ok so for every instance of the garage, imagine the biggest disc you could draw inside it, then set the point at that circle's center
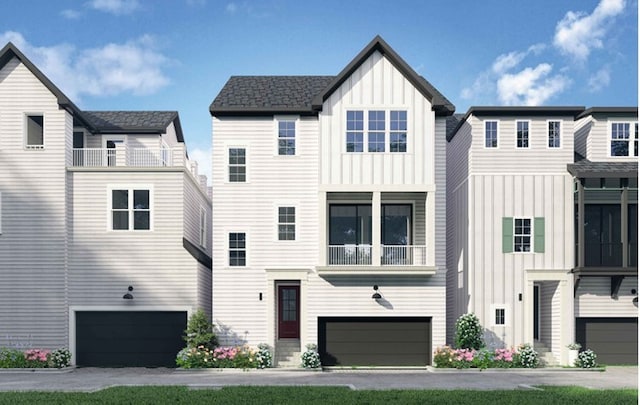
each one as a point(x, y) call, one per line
point(374, 341)
point(614, 340)
point(129, 338)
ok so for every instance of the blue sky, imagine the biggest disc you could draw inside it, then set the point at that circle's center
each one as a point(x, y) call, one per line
point(177, 54)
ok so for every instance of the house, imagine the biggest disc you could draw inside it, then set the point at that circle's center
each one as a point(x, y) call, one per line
point(520, 181)
point(329, 212)
point(105, 236)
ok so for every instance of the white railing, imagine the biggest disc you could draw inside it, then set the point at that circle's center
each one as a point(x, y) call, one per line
point(403, 255)
point(350, 255)
point(137, 157)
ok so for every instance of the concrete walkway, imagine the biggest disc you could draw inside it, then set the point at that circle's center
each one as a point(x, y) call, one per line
point(94, 379)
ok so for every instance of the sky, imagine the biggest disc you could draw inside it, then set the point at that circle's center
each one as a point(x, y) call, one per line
point(177, 54)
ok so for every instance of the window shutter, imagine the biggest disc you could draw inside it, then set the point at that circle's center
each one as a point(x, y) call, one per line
point(538, 235)
point(507, 234)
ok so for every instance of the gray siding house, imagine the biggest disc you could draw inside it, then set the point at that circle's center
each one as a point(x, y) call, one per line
point(105, 226)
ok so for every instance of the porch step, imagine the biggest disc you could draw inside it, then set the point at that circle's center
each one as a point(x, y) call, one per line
point(547, 358)
point(287, 353)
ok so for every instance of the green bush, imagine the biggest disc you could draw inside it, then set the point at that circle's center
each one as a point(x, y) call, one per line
point(60, 358)
point(264, 356)
point(311, 358)
point(587, 359)
point(527, 356)
point(200, 331)
point(469, 332)
point(12, 358)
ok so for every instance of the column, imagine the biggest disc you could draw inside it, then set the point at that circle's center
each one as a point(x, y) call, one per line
point(624, 217)
point(581, 246)
point(323, 224)
point(376, 228)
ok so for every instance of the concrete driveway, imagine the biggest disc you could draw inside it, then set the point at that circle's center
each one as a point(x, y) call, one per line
point(93, 379)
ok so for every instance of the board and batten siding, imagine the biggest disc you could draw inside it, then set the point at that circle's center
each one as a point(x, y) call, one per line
point(593, 298)
point(103, 262)
point(377, 85)
point(252, 208)
point(33, 239)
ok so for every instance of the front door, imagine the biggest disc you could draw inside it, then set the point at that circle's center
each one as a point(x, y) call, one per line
point(288, 312)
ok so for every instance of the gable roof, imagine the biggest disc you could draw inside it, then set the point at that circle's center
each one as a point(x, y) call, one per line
point(133, 122)
point(268, 95)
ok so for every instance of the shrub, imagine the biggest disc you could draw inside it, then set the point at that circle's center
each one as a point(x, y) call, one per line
point(200, 331)
point(504, 358)
point(194, 357)
point(483, 359)
point(527, 356)
point(37, 358)
point(444, 357)
point(587, 359)
point(12, 358)
point(469, 332)
point(60, 358)
point(311, 358)
point(264, 357)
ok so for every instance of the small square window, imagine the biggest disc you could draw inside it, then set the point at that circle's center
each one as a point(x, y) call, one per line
point(130, 210)
point(500, 316)
point(35, 132)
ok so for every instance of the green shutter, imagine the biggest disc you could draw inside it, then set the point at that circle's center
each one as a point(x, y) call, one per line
point(538, 235)
point(507, 235)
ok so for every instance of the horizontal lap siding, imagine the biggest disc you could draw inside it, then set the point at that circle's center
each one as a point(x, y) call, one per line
point(33, 239)
point(193, 199)
point(593, 298)
point(598, 141)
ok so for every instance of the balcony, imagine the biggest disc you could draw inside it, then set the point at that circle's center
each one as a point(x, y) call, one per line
point(122, 156)
point(394, 259)
point(606, 259)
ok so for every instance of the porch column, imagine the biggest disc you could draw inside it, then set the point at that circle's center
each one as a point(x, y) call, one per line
point(581, 246)
point(430, 227)
point(624, 217)
point(528, 310)
point(323, 223)
point(376, 228)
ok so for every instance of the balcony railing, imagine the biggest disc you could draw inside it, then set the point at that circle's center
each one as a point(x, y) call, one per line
point(603, 255)
point(124, 156)
point(391, 255)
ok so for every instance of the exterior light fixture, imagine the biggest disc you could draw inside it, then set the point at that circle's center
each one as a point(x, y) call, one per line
point(376, 295)
point(128, 295)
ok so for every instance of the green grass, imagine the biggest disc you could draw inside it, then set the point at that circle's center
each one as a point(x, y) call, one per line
point(322, 395)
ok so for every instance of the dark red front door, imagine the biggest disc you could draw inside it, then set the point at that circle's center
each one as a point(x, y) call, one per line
point(289, 311)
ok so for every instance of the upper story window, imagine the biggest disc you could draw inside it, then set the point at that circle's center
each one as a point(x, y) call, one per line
point(203, 227)
point(237, 249)
point(237, 165)
point(381, 131)
point(522, 235)
point(491, 134)
point(34, 131)
point(286, 137)
point(130, 209)
point(621, 134)
point(554, 134)
point(286, 223)
point(522, 134)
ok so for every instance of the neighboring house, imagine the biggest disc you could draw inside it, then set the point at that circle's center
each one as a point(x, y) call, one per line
point(324, 189)
point(515, 199)
point(91, 204)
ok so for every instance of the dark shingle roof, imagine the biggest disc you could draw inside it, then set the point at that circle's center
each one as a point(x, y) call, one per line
point(268, 94)
point(151, 122)
point(452, 123)
point(586, 168)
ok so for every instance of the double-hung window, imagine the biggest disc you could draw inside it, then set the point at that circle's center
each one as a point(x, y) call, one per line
point(286, 137)
point(522, 235)
point(130, 209)
point(379, 130)
point(522, 134)
point(286, 223)
point(623, 139)
point(34, 137)
point(237, 165)
point(553, 134)
point(237, 249)
point(491, 134)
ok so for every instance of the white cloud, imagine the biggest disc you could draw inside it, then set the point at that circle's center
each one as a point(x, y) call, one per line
point(530, 86)
point(133, 67)
point(578, 33)
point(70, 14)
point(116, 7)
point(600, 79)
point(203, 157)
point(231, 8)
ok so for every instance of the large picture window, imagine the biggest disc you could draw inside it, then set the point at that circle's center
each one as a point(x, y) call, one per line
point(381, 131)
point(130, 209)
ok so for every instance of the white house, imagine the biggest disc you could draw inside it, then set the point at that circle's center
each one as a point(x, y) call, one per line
point(105, 237)
point(329, 212)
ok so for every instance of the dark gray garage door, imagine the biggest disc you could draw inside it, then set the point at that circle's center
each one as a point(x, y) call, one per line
point(374, 341)
point(129, 339)
point(614, 340)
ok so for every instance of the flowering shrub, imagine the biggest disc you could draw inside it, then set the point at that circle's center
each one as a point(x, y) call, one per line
point(12, 358)
point(34, 358)
point(220, 357)
point(504, 358)
point(200, 331)
point(587, 359)
point(311, 358)
point(447, 357)
point(469, 332)
point(60, 358)
point(264, 357)
point(528, 357)
point(37, 358)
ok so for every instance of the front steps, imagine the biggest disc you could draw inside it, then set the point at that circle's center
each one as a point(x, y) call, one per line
point(287, 353)
point(547, 358)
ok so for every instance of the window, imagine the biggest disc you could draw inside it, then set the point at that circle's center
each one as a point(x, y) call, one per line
point(491, 134)
point(35, 132)
point(130, 210)
point(554, 134)
point(499, 316)
point(237, 249)
point(203, 227)
point(286, 137)
point(522, 134)
point(355, 134)
point(522, 235)
point(237, 165)
point(517, 235)
point(380, 137)
point(286, 223)
point(621, 135)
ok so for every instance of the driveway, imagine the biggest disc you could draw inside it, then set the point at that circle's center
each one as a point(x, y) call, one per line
point(93, 379)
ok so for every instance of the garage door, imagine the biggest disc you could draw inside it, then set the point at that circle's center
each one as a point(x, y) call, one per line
point(374, 341)
point(614, 340)
point(129, 339)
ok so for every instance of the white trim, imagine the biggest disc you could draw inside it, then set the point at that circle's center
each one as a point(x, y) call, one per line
point(114, 138)
point(296, 126)
point(365, 128)
point(274, 276)
point(130, 188)
point(547, 134)
point(507, 314)
point(227, 249)
point(632, 137)
point(531, 235)
point(112, 308)
point(484, 134)
point(528, 134)
point(25, 131)
point(276, 209)
point(246, 163)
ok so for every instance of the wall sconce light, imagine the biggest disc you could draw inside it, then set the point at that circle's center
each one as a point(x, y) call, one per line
point(128, 295)
point(376, 295)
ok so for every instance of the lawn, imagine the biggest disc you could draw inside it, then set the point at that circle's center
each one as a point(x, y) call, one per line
point(322, 395)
